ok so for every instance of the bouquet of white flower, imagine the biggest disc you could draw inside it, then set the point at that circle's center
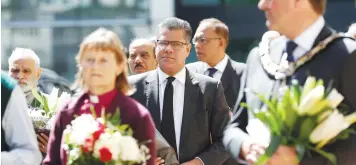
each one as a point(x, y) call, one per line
point(96, 141)
point(43, 117)
point(303, 117)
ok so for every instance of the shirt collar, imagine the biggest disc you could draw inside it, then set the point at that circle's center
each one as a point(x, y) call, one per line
point(307, 38)
point(220, 66)
point(180, 76)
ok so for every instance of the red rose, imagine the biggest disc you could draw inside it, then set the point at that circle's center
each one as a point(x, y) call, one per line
point(88, 145)
point(98, 132)
point(105, 154)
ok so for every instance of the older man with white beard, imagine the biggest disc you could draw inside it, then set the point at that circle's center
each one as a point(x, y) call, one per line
point(24, 66)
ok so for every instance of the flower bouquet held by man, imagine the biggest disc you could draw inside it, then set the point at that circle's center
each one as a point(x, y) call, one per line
point(43, 116)
point(306, 118)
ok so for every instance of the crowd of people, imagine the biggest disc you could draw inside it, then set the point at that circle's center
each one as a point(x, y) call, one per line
point(192, 113)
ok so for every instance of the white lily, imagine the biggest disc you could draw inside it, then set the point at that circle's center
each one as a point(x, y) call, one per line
point(63, 99)
point(259, 131)
point(52, 99)
point(334, 98)
point(328, 129)
point(308, 104)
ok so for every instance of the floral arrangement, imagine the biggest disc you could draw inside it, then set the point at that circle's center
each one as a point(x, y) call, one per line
point(306, 118)
point(104, 140)
point(43, 116)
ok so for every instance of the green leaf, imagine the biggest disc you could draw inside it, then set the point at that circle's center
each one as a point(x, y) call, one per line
point(295, 92)
point(331, 157)
point(37, 96)
point(345, 134)
point(93, 112)
point(115, 119)
point(271, 149)
point(269, 104)
point(306, 128)
point(300, 151)
point(45, 104)
point(308, 86)
point(269, 120)
point(245, 105)
point(287, 110)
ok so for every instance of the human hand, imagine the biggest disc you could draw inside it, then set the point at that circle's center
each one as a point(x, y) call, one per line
point(42, 142)
point(284, 155)
point(159, 161)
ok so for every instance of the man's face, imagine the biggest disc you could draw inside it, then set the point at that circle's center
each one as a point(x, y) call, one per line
point(172, 49)
point(278, 13)
point(207, 43)
point(25, 71)
point(142, 58)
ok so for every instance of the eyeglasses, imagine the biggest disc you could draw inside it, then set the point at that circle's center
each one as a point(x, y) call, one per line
point(203, 40)
point(174, 44)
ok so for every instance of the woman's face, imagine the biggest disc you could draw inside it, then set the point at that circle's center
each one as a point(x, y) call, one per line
point(100, 69)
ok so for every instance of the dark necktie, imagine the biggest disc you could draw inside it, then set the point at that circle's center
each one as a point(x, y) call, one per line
point(289, 49)
point(212, 71)
point(167, 123)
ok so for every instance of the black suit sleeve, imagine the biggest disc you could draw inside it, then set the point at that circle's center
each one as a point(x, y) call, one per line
point(219, 118)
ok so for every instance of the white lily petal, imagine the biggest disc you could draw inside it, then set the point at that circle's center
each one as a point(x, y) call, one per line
point(329, 128)
point(259, 131)
point(311, 99)
point(334, 98)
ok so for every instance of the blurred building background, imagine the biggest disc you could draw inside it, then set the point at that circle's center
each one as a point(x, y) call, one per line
point(55, 28)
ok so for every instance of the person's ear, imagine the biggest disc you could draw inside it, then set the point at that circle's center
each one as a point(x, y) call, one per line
point(38, 73)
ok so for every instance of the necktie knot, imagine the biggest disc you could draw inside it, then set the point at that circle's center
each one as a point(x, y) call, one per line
point(212, 71)
point(289, 49)
point(170, 80)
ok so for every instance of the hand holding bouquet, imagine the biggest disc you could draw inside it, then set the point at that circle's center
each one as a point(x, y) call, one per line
point(306, 118)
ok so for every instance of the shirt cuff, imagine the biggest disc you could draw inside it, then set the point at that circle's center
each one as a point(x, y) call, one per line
point(200, 160)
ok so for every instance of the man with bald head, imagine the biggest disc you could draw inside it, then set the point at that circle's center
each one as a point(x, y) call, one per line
point(141, 56)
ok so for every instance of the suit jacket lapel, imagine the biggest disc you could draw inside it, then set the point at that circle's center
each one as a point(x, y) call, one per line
point(324, 33)
point(189, 109)
point(152, 95)
point(226, 76)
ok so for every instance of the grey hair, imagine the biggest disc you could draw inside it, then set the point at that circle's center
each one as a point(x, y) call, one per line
point(175, 23)
point(19, 53)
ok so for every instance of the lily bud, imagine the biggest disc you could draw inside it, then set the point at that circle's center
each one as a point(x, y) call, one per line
point(308, 86)
point(334, 98)
point(328, 129)
point(308, 103)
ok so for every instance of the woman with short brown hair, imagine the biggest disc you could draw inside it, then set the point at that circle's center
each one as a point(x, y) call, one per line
point(102, 79)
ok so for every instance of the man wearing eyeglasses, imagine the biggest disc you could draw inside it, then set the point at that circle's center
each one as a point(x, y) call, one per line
point(210, 42)
point(186, 107)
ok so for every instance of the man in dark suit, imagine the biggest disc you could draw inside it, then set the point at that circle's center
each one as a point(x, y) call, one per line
point(303, 27)
point(186, 107)
point(210, 42)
